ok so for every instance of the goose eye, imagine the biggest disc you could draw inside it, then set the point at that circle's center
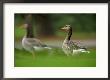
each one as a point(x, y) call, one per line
point(66, 25)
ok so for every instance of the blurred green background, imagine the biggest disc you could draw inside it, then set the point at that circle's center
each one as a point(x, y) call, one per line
point(49, 24)
point(46, 27)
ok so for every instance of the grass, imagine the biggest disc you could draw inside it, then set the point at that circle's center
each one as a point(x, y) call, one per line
point(54, 58)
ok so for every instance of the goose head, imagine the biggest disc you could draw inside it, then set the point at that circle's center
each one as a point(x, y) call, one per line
point(66, 28)
point(28, 21)
point(25, 26)
point(28, 26)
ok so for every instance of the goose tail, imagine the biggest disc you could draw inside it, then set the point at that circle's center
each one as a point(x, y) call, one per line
point(48, 47)
point(84, 49)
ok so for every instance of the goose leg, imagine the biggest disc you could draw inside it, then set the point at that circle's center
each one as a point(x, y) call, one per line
point(33, 54)
point(67, 54)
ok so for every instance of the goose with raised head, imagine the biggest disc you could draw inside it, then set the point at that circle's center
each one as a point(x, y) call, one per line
point(30, 43)
point(69, 47)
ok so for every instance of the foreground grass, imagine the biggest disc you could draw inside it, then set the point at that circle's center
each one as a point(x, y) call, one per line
point(54, 58)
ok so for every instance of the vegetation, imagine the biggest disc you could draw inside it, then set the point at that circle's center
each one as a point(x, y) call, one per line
point(56, 58)
point(49, 24)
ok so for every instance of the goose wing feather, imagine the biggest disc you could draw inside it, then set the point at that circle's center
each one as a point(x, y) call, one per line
point(34, 42)
point(73, 45)
point(76, 45)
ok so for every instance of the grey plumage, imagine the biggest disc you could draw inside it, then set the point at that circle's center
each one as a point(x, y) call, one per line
point(30, 43)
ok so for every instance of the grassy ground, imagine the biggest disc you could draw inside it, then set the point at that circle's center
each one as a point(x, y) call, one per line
point(54, 58)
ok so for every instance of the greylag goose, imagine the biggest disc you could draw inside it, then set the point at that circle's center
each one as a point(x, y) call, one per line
point(69, 47)
point(30, 43)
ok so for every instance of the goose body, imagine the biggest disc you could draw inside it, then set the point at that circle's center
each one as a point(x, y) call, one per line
point(33, 44)
point(70, 47)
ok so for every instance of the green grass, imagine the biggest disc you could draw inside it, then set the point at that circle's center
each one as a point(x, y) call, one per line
point(54, 58)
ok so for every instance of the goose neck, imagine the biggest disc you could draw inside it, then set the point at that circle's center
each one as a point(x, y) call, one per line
point(69, 34)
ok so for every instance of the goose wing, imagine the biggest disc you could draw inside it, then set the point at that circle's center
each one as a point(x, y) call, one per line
point(35, 42)
point(73, 45)
point(76, 45)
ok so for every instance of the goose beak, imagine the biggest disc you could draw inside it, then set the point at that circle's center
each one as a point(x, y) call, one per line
point(24, 25)
point(63, 29)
